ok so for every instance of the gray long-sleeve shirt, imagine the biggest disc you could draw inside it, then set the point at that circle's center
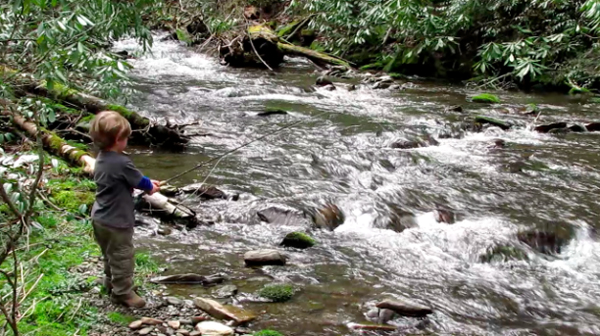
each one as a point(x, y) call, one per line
point(115, 176)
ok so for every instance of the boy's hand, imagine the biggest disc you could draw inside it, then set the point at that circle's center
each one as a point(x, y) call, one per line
point(156, 183)
point(155, 188)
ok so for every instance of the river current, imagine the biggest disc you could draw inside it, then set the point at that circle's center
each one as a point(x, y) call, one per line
point(341, 153)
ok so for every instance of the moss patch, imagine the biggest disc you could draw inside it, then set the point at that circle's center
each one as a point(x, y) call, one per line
point(121, 319)
point(487, 98)
point(135, 119)
point(277, 293)
point(267, 333)
point(503, 253)
point(298, 240)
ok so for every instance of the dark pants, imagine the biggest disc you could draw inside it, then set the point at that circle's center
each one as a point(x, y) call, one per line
point(117, 252)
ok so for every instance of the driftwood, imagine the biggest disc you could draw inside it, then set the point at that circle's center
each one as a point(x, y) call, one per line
point(145, 131)
point(161, 205)
point(262, 45)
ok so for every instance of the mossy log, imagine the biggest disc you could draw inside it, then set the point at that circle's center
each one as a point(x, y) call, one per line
point(159, 204)
point(261, 45)
point(145, 131)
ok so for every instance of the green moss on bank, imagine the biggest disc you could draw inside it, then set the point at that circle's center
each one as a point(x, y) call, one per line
point(267, 333)
point(486, 98)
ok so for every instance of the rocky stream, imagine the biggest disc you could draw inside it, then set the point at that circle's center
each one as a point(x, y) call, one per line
point(492, 228)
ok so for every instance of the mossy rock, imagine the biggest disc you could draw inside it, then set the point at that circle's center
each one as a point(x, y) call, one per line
point(495, 122)
point(277, 293)
point(486, 98)
point(503, 253)
point(267, 333)
point(298, 240)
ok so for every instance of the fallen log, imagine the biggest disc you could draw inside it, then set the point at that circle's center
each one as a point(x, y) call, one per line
point(262, 45)
point(167, 208)
point(145, 131)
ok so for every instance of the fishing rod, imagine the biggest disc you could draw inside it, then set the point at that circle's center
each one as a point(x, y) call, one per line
point(218, 158)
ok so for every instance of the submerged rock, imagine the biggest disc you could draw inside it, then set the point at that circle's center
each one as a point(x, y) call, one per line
point(218, 311)
point(386, 315)
point(328, 217)
point(272, 111)
point(424, 141)
point(298, 240)
point(445, 216)
point(265, 257)
point(330, 87)
point(502, 253)
point(211, 328)
point(226, 292)
point(281, 216)
point(381, 85)
point(496, 122)
point(549, 241)
point(323, 81)
point(593, 127)
point(456, 108)
point(578, 129)
point(548, 127)
point(189, 278)
point(405, 308)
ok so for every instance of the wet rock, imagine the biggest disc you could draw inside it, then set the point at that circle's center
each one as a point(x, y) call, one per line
point(352, 87)
point(593, 127)
point(401, 222)
point(211, 328)
point(386, 315)
point(405, 308)
point(169, 190)
point(495, 122)
point(226, 292)
point(385, 79)
point(182, 332)
point(502, 253)
point(559, 131)
point(196, 333)
point(218, 311)
point(173, 301)
point(498, 143)
point(578, 129)
point(407, 144)
point(444, 216)
point(548, 127)
point(151, 321)
point(328, 217)
point(135, 325)
point(174, 324)
point(272, 111)
point(298, 240)
point(550, 241)
point(381, 85)
point(281, 216)
point(265, 257)
point(198, 319)
point(456, 108)
point(146, 331)
point(164, 231)
point(323, 81)
point(330, 87)
point(372, 327)
point(189, 278)
point(204, 192)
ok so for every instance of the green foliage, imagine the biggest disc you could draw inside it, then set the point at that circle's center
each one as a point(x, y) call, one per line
point(277, 293)
point(486, 98)
point(65, 41)
point(526, 41)
point(268, 333)
point(118, 318)
point(183, 36)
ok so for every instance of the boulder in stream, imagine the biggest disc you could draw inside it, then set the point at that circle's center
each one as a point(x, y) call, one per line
point(218, 311)
point(445, 216)
point(272, 111)
point(456, 108)
point(323, 81)
point(495, 122)
point(281, 216)
point(549, 241)
point(405, 308)
point(298, 240)
point(327, 217)
point(548, 127)
point(502, 253)
point(577, 128)
point(593, 127)
point(423, 141)
point(264, 258)
point(225, 292)
point(190, 278)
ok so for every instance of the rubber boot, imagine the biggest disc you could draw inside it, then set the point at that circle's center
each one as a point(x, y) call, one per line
point(132, 300)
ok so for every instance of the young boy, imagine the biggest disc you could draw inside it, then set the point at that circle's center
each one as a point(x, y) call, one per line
point(112, 213)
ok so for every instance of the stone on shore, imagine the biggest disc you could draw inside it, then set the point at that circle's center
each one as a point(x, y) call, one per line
point(226, 292)
point(174, 324)
point(135, 325)
point(264, 258)
point(405, 308)
point(211, 328)
point(151, 321)
point(146, 331)
point(218, 311)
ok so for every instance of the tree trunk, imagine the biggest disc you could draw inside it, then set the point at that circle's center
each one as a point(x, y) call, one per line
point(157, 203)
point(147, 132)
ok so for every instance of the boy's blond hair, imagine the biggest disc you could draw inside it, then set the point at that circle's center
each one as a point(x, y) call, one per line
point(108, 127)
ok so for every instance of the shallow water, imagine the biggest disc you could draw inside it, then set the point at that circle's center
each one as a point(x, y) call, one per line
point(342, 153)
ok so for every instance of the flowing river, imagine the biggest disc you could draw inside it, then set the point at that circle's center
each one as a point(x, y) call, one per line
point(341, 153)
